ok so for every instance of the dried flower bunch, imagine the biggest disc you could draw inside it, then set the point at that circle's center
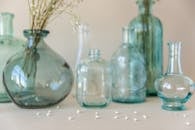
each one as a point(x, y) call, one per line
point(44, 11)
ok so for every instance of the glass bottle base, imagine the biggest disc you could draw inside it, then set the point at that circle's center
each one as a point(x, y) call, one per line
point(29, 100)
point(4, 98)
point(94, 105)
point(133, 100)
point(173, 106)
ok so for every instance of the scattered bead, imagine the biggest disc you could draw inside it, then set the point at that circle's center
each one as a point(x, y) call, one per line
point(38, 114)
point(135, 112)
point(97, 117)
point(48, 114)
point(126, 118)
point(116, 117)
point(78, 111)
point(188, 123)
point(116, 112)
point(185, 115)
point(97, 113)
point(144, 116)
point(70, 118)
point(135, 119)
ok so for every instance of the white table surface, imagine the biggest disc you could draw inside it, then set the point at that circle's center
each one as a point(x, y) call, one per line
point(130, 117)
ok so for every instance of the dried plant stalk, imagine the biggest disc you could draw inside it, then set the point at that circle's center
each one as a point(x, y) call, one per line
point(44, 11)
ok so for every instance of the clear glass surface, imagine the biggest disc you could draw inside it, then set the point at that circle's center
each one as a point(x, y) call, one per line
point(9, 45)
point(93, 81)
point(174, 88)
point(128, 75)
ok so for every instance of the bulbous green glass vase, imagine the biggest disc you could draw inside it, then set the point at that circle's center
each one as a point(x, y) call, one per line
point(37, 77)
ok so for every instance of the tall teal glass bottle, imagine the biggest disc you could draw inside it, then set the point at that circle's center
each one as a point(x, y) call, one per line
point(147, 33)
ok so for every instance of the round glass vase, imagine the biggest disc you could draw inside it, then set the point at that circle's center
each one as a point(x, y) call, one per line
point(9, 45)
point(37, 77)
point(174, 88)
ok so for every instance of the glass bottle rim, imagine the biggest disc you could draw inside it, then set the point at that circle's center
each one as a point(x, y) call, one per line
point(141, 1)
point(6, 14)
point(35, 32)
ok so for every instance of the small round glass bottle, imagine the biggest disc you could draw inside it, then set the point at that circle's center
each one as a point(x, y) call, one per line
point(9, 45)
point(129, 76)
point(93, 80)
point(174, 88)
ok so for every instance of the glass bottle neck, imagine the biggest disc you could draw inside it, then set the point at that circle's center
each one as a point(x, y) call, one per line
point(145, 6)
point(174, 64)
point(35, 37)
point(6, 24)
point(125, 35)
point(94, 54)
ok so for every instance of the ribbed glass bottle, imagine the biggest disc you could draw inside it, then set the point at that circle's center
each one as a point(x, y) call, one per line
point(93, 80)
point(147, 33)
point(128, 75)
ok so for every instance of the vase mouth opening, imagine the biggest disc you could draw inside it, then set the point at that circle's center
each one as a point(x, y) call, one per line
point(35, 32)
point(145, 2)
point(4, 14)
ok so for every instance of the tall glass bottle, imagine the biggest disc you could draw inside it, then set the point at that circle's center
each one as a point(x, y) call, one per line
point(146, 32)
point(174, 88)
point(93, 81)
point(129, 76)
point(9, 45)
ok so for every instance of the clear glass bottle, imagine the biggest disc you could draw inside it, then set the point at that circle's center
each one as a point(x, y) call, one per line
point(174, 88)
point(147, 33)
point(9, 45)
point(37, 77)
point(129, 76)
point(93, 81)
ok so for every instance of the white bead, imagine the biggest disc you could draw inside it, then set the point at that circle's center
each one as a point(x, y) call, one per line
point(126, 118)
point(144, 116)
point(38, 113)
point(78, 111)
point(116, 117)
point(48, 114)
point(188, 123)
point(135, 119)
point(70, 118)
point(97, 117)
point(135, 112)
point(97, 113)
point(116, 112)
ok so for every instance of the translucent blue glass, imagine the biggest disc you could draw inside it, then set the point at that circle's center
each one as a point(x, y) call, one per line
point(37, 77)
point(93, 80)
point(147, 34)
point(9, 45)
point(174, 88)
point(128, 73)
